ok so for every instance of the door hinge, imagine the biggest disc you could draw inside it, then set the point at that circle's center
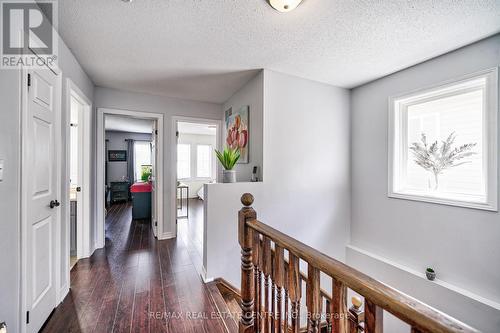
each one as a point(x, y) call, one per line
point(156, 132)
point(177, 133)
point(29, 80)
point(156, 223)
point(27, 317)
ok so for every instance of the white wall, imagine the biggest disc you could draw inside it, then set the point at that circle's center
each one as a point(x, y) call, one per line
point(10, 116)
point(461, 244)
point(194, 183)
point(221, 253)
point(71, 69)
point(10, 144)
point(307, 164)
point(306, 188)
point(250, 94)
point(117, 170)
point(117, 99)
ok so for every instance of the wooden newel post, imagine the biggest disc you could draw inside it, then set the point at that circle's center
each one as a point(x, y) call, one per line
point(356, 316)
point(246, 214)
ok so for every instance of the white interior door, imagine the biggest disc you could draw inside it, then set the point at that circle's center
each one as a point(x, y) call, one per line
point(154, 157)
point(41, 195)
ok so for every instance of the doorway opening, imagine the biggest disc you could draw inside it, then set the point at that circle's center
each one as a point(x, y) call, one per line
point(78, 171)
point(196, 165)
point(130, 167)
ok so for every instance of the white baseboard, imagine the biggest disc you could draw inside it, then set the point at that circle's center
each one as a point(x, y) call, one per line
point(63, 292)
point(98, 246)
point(207, 280)
point(204, 276)
point(464, 305)
point(93, 250)
point(166, 235)
point(89, 254)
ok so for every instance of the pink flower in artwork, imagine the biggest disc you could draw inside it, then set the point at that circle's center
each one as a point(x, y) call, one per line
point(237, 134)
point(243, 139)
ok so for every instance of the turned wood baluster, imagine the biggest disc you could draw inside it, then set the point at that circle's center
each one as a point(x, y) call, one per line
point(373, 317)
point(313, 299)
point(257, 277)
point(279, 267)
point(266, 259)
point(285, 284)
point(262, 312)
point(294, 290)
point(245, 239)
point(328, 316)
point(339, 307)
point(273, 293)
point(356, 316)
point(320, 312)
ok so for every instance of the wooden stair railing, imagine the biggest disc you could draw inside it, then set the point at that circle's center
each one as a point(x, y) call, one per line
point(272, 286)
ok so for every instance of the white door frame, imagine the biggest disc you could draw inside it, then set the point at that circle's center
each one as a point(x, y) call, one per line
point(25, 169)
point(84, 247)
point(173, 150)
point(100, 167)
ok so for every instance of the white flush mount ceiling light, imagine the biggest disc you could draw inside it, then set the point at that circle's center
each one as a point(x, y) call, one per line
point(284, 5)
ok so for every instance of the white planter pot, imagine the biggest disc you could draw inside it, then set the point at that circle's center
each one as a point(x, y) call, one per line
point(229, 176)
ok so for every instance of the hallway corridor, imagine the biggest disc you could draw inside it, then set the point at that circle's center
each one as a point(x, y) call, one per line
point(135, 284)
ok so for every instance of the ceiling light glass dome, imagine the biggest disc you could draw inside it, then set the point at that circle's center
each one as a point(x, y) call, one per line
point(284, 5)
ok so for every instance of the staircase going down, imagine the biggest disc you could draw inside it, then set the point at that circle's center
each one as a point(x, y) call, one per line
point(227, 300)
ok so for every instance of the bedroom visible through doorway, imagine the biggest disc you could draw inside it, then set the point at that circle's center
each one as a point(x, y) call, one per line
point(130, 167)
point(130, 149)
point(196, 166)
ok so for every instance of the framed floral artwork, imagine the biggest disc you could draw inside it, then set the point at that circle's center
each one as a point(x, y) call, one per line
point(237, 131)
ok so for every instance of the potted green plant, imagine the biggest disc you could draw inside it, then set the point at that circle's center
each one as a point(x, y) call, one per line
point(228, 158)
point(145, 173)
point(431, 275)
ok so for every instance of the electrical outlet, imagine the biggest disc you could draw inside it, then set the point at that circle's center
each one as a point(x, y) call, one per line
point(1, 170)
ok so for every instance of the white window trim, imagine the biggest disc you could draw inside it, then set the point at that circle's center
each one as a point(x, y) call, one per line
point(491, 142)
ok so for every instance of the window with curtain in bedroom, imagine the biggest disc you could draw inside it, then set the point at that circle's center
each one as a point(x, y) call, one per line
point(442, 143)
point(183, 161)
point(142, 156)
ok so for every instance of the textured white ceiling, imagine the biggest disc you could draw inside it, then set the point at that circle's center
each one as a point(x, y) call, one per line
point(127, 124)
point(206, 49)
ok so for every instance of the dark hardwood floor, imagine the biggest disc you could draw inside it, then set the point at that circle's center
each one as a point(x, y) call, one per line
point(190, 230)
point(135, 284)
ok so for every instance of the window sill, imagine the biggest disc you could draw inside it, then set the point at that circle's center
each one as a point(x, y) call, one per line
point(490, 206)
point(196, 179)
